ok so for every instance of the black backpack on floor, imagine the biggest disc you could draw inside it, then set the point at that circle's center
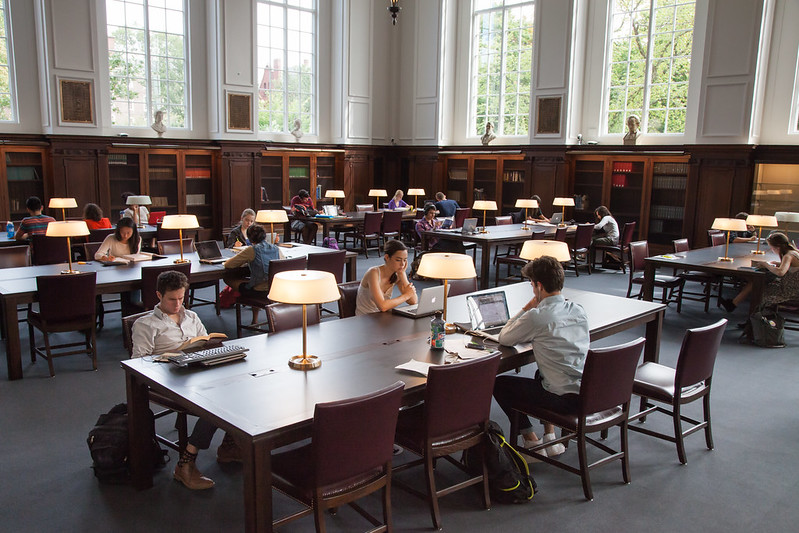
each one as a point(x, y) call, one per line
point(509, 476)
point(108, 445)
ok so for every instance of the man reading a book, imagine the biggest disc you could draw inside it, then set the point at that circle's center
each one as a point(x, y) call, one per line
point(164, 330)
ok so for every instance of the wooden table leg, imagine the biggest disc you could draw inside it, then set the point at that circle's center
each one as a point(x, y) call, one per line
point(351, 272)
point(648, 289)
point(13, 347)
point(654, 328)
point(257, 469)
point(139, 434)
point(485, 264)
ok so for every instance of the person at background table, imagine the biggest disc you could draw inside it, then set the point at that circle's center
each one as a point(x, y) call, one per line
point(163, 330)
point(558, 330)
point(238, 235)
point(536, 215)
point(783, 284)
point(139, 213)
point(446, 208)
point(257, 256)
point(743, 236)
point(429, 223)
point(35, 223)
point(397, 202)
point(93, 216)
point(377, 285)
point(302, 207)
point(124, 241)
point(606, 229)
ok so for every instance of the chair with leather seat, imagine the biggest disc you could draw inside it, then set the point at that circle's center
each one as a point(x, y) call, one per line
point(391, 226)
point(149, 282)
point(162, 234)
point(66, 303)
point(503, 220)
point(705, 278)
point(582, 246)
point(639, 251)
point(349, 456)
point(560, 234)
point(461, 286)
point(675, 387)
point(447, 422)
point(513, 261)
point(349, 297)
point(99, 235)
point(282, 317)
point(716, 237)
point(48, 250)
point(172, 247)
point(361, 208)
point(332, 262)
point(622, 249)
point(461, 214)
point(261, 301)
point(368, 231)
point(604, 402)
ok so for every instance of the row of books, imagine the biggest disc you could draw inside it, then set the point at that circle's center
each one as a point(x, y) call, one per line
point(671, 168)
point(117, 159)
point(623, 166)
point(195, 172)
point(667, 212)
point(195, 199)
point(513, 176)
point(669, 182)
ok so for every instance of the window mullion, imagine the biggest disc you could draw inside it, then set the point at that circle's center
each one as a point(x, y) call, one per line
point(648, 69)
point(147, 68)
point(285, 69)
point(502, 70)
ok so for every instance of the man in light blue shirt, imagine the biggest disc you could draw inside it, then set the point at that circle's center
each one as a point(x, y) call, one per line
point(558, 331)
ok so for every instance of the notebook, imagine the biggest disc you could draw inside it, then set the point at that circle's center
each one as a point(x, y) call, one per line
point(488, 312)
point(557, 218)
point(430, 301)
point(469, 226)
point(209, 253)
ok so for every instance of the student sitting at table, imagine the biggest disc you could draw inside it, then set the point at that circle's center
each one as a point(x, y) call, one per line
point(93, 216)
point(429, 223)
point(139, 213)
point(397, 202)
point(446, 208)
point(167, 327)
point(238, 235)
point(35, 223)
point(558, 330)
point(125, 240)
point(743, 236)
point(606, 230)
point(536, 215)
point(377, 285)
point(302, 208)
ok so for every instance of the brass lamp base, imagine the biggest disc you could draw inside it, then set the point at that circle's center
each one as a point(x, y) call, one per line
point(562, 225)
point(180, 261)
point(70, 271)
point(758, 252)
point(483, 230)
point(305, 362)
point(726, 259)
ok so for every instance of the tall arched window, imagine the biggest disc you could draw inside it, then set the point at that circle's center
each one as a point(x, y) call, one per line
point(8, 108)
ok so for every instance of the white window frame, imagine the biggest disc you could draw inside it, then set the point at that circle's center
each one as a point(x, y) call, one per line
point(793, 127)
point(12, 78)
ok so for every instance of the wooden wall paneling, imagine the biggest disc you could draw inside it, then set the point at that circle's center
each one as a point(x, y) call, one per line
point(75, 175)
point(689, 222)
point(237, 186)
point(548, 178)
point(358, 179)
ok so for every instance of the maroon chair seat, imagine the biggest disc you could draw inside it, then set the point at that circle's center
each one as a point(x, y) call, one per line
point(282, 317)
point(349, 296)
point(369, 231)
point(260, 300)
point(639, 251)
point(461, 286)
point(48, 250)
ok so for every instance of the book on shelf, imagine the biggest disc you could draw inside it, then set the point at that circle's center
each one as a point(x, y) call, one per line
point(117, 159)
point(458, 174)
point(195, 199)
point(197, 172)
point(159, 201)
point(264, 195)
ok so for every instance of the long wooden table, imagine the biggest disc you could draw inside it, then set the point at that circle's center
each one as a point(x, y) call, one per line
point(264, 404)
point(18, 286)
point(349, 219)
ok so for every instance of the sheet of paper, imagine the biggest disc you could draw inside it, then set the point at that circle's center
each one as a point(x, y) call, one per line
point(418, 367)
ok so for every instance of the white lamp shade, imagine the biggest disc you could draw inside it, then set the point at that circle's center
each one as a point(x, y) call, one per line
point(560, 201)
point(526, 202)
point(485, 205)
point(180, 222)
point(63, 203)
point(272, 216)
point(416, 192)
point(786, 216)
point(533, 249)
point(446, 266)
point(304, 287)
point(378, 192)
point(139, 199)
point(67, 228)
point(729, 224)
point(762, 221)
point(334, 193)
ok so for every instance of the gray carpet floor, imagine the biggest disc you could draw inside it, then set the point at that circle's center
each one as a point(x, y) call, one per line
point(745, 484)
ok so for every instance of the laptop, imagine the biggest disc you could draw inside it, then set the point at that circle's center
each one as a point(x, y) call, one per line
point(557, 218)
point(430, 301)
point(488, 313)
point(330, 210)
point(209, 253)
point(469, 226)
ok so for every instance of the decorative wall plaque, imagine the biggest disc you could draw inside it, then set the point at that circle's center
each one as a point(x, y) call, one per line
point(77, 101)
point(239, 111)
point(548, 115)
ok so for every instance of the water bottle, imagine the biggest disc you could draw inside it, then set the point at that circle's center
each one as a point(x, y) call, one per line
point(10, 229)
point(437, 332)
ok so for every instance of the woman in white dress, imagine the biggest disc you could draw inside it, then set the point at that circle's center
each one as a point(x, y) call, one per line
point(377, 285)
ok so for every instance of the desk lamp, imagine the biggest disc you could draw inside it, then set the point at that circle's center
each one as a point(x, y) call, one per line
point(446, 266)
point(484, 205)
point(271, 216)
point(416, 193)
point(180, 222)
point(304, 287)
point(334, 193)
point(68, 228)
point(134, 201)
point(533, 249)
point(761, 221)
point(525, 203)
point(563, 202)
point(377, 193)
point(728, 225)
point(63, 204)
point(788, 217)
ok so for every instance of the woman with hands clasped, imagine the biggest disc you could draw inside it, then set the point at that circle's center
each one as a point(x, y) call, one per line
point(377, 285)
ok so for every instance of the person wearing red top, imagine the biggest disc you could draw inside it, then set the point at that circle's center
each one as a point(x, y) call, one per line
point(93, 216)
point(302, 207)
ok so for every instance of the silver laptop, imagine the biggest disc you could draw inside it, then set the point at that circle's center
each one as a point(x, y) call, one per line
point(557, 218)
point(488, 313)
point(469, 226)
point(209, 253)
point(330, 210)
point(430, 300)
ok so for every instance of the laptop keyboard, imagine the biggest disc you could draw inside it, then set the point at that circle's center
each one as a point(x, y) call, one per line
point(211, 356)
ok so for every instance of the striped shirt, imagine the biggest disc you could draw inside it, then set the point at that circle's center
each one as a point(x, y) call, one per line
point(35, 225)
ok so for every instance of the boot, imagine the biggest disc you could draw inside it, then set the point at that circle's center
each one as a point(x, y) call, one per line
point(228, 451)
point(186, 472)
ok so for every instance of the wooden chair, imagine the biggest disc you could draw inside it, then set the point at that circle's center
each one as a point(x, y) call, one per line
point(513, 261)
point(171, 247)
point(66, 303)
point(449, 421)
point(282, 317)
point(360, 208)
point(676, 387)
point(99, 235)
point(503, 220)
point(716, 237)
point(162, 234)
point(349, 295)
point(622, 249)
point(349, 457)
point(48, 250)
point(149, 280)
point(705, 278)
point(261, 301)
point(391, 227)
point(639, 251)
point(560, 234)
point(461, 286)
point(332, 262)
point(605, 395)
point(461, 214)
point(582, 246)
point(369, 231)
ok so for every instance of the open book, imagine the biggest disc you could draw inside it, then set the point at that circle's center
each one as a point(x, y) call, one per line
point(129, 258)
point(201, 341)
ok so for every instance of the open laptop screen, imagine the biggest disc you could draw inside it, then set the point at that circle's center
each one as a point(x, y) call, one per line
point(208, 250)
point(487, 310)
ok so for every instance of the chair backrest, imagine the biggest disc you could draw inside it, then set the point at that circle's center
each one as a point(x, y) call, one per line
point(149, 279)
point(392, 222)
point(364, 207)
point(349, 296)
point(608, 376)
point(99, 235)
point(539, 235)
point(680, 245)
point(461, 214)
point(162, 234)
point(67, 298)
point(127, 330)
point(582, 237)
point(90, 248)
point(281, 265)
point(355, 436)
point(560, 234)
point(173, 246)
point(639, 250)
point(332, 262)
point(717, 239)
point(698, 354)
point(286, 316)
point(461, 286)
point(447, 408)
point(503, 220)
point(48, 250)
point(371, 222)
point(627, 234)
point(15, 256)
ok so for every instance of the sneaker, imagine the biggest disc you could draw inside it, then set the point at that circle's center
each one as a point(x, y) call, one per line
point(527, 444)
point(727, 304)
point(192, 478)
point(228, 451)
point(555, 449)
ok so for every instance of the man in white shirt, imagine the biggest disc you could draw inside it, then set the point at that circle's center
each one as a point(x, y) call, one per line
point(164, 330)
point(558, 331)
